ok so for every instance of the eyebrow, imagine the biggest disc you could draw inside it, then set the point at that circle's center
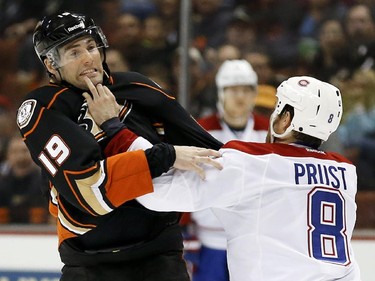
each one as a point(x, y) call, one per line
point(75, 45)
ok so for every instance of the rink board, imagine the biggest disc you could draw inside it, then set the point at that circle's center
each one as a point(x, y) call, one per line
point(34, 257)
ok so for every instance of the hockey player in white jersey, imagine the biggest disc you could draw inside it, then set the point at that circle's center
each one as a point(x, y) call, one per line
point(287, 207)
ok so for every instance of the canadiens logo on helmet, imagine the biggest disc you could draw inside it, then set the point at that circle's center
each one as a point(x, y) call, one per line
point(25, 113)
point(303, 82)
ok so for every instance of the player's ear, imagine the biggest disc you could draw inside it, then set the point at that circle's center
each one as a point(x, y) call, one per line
point(49, 66)
point(286, 119)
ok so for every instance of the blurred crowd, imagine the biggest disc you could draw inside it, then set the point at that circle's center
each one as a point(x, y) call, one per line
point(331, 40)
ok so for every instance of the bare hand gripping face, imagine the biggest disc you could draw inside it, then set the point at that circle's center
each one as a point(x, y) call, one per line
point(103, 106)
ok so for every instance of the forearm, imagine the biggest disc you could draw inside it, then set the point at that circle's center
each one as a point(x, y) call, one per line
point(160, 157)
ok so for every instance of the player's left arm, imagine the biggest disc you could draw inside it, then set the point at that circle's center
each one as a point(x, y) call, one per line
point(185, 191)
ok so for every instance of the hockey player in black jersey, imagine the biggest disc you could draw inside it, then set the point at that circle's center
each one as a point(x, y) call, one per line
point(103, 233)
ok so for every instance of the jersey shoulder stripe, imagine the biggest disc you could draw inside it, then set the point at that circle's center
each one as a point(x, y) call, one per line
point(63, 99)
point(286, 150)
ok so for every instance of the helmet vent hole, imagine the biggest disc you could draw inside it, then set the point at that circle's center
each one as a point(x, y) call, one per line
point(300, 129)
point(317, 109)
point(319, 93)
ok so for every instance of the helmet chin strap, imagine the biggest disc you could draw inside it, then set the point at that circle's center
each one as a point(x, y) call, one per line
point(273, 134)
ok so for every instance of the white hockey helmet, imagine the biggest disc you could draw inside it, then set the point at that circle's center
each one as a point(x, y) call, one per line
point(235, 72)
point(317, 107)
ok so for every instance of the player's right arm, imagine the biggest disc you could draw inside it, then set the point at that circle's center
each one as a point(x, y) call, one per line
point(72, 159)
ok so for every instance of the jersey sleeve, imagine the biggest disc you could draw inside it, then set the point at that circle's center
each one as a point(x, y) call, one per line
point(73, 161)
point(180, 127)
point(185, 191)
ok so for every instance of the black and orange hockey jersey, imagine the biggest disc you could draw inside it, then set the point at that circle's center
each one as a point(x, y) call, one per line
point(92, 195)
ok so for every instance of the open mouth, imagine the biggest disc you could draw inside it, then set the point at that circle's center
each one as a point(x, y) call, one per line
point(89, 72)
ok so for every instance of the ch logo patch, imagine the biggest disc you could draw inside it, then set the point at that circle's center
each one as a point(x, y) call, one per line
point(303, 82)
point(25, 112)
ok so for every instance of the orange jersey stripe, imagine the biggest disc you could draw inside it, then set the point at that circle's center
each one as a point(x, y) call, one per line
point(55, 97)
point(35, 125)
point(154, 88)
point(134, 179)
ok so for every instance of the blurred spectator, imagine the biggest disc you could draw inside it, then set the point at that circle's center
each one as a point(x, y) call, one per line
point(7, 124)
point(288, 13)
point(215, 57)
point(29, 73)
point(227, 52)
point(110, 11)
point(116, 61)
point(209, 21)
point(87, 7)
point(276, 23)
point(20, 187)
point(155, 46)
point(317, 11)
point(261, 62)
point(169, 12)
point(127, 38)
point(202, 94)
point(357, 131)
point(141, 8)
point(241, 32)
point(17, 17)
point(265, 100)
point(360, 28)
point(332, 60)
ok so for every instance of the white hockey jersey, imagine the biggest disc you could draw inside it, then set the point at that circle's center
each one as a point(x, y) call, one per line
point(288, 211)
point(209, 229)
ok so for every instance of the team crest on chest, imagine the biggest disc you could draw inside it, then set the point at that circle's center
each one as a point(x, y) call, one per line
point(25, 112)
point(86, 121)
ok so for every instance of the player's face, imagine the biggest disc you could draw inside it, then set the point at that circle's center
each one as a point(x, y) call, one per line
point(78, 59)
point(239, 100)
